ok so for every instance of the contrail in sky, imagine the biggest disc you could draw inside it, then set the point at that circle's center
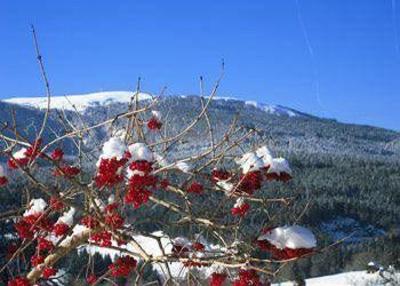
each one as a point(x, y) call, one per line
point(312, 56)
point(394, 21)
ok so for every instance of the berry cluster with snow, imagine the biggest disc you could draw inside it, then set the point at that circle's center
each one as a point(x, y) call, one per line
point(211, 198)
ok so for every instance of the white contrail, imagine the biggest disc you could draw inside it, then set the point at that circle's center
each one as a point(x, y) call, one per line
point(394, 22)
point(310, 49)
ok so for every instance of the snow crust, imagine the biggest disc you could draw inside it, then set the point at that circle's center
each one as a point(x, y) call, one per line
point(67, 217)
point(292, 237)
point(262, 157)
point(113, 148)
point(36, 206)
point(140, 151)
point(279, 165)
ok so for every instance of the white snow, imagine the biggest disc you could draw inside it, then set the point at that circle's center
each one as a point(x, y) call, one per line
point(81, 101)
point(279, 165)
point(183, 166)
point(272, 109)
point(140, 151)
point(151, 247)
point(225, 186)
point(78, 231)
point(67, 217)
point(113, 148)
point(253, 161)
point(156, 114)
point(20, 154)
point(265, 155)
point(353, 278)
point(2, 171)
point(239, 202)
point(292, 237)
point(161, 160)
point(36, 206)
point(250, 162)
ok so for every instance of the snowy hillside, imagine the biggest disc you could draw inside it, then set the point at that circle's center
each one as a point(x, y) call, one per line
point(353, 278)
point(79, 101)
point(82, 101)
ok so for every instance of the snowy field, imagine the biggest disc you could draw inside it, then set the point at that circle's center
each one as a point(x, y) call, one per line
point(354, 278)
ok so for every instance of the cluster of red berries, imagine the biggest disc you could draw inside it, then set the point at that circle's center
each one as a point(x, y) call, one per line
point(44, 244)
point(248, 277)
point(217, 279)
point(140, 183)
point(19, 281)
point(30, 154)
point(3, 181)
point(109, 172)
point(123, 266)
point(60, 229)
point(27, 226)
point(220, 175)
point(56, 204)
point(102, 238)
point(37, 260)
point(48, 272)
point(154, 123)
point(112, 217)
point(250, 182)
point(89, 222)
point(57, 154)
point(285, 253)
point(282, 176)
point(67, 171)
point(195, 188)
point(240, 210)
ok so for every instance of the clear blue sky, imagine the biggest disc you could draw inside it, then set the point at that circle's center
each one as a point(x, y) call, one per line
point(333, 58)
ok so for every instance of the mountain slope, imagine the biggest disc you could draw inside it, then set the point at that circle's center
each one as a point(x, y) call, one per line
point(81, 102)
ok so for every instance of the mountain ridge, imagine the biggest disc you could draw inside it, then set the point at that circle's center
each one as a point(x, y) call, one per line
point(81, 102)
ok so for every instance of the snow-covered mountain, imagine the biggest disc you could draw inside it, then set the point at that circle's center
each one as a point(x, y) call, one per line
point(77, 102)
point(80, 102)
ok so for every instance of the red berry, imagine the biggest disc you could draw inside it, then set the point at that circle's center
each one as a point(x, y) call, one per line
point(195, 188)
point(48, 272)
point(57, 154)
point(3, 181)
point(154, 124)
point(19, 281)
point(217, 279)
point(91, 279)
point(240, 210)
point(60, 229)
point(123, 266)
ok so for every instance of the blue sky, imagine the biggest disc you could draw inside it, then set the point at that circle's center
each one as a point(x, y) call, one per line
point(332, 58)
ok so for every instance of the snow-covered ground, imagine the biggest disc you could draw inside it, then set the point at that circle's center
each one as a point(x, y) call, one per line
point(354, 278)
point(82, 101)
